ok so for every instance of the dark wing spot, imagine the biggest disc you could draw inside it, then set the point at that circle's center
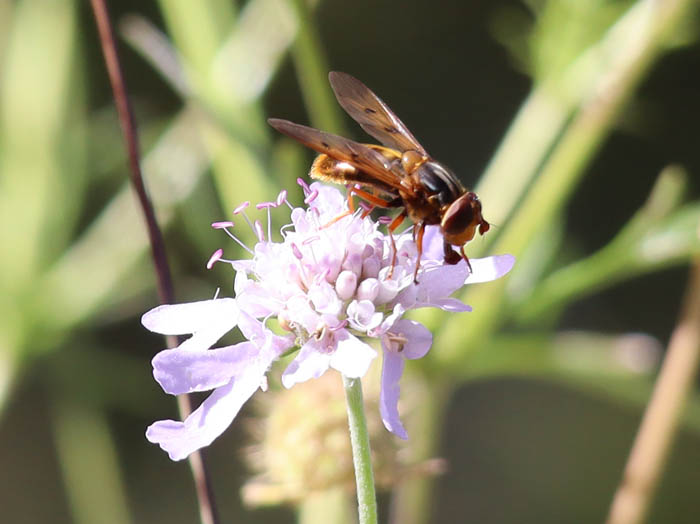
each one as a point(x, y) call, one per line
point(325, 144)
point(391, 129)
point(369, 110)
point(354, 156)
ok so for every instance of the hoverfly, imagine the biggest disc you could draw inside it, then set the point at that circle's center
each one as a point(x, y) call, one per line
point(399, 174)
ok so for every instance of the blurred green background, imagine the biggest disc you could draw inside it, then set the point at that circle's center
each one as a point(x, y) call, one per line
point(547, 382)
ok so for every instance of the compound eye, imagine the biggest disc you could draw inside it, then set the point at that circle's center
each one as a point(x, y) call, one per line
point(458, 216)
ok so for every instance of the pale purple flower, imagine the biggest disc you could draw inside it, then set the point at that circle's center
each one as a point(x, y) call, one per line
point(327, 283)
point(233, 372)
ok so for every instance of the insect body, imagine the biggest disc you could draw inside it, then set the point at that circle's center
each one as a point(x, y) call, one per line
point(398, 174)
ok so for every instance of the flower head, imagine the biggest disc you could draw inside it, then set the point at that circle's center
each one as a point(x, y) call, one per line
point(330, 284)
point(302, 446)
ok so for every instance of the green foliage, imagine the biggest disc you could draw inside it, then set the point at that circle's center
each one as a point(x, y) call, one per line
point(556, 32)
point(75, 247)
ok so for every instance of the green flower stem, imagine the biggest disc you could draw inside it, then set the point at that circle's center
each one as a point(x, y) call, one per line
point(361, 452)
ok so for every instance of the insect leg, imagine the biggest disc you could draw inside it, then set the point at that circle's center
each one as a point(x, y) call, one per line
point(340, 216)
point(369, 197)
point(367, 211)
point(419, 245)
point(367, 208)
point(466, 259)
point(351, 202)
point(451, 256)
point(392, 227)
point(350, 211)
point(394, 202)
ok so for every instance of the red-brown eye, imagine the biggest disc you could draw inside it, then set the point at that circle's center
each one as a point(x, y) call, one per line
point(458, 216)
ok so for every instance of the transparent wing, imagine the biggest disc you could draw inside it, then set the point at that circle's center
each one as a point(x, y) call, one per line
point(375, 117)
point(362, 157)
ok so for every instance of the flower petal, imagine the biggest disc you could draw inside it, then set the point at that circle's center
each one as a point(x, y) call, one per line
point(208, 421)
point(324, 298)
point(453, 305)
point(392, 370)
point(269, 344)
point(433, 244)
point(330, 202)
point(208, 321)
point(418, 338)
point(440, 281)
point(253, 297)
point(299, 311)
point(181, 319)
point(181, 371)
point(489, 268)
point(352, 357)
point(388, 322)
point(311, 362)
point(362, 315)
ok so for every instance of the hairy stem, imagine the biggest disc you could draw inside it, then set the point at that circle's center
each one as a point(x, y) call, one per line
point(361, 452)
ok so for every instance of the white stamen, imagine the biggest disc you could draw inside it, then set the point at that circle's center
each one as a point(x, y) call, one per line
point(259, 231)
point(241, 209)
point(284, 228)
point(269, 225)
point(239, 242)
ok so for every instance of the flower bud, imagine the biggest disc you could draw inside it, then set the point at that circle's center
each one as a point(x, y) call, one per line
point(346, 284)
point(388, 289)
point(368, 289)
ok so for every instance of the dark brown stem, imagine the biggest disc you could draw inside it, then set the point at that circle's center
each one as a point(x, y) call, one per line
point(205, 495)
point(128, 125)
